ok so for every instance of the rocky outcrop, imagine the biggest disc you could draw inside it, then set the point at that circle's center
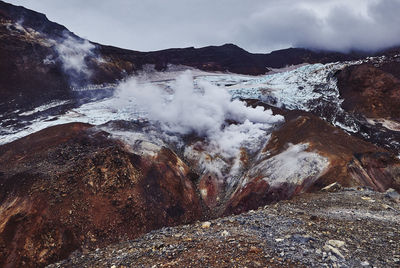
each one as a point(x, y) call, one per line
point(71, 187)
point(373, 91)
point(306, 154)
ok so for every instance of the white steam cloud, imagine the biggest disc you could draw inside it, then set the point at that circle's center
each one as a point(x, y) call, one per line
point(72, 52)
point(201, 108)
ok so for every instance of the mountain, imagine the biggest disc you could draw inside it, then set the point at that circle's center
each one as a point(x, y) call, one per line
point(76, 187)
point(32, 59)
point(99, 144)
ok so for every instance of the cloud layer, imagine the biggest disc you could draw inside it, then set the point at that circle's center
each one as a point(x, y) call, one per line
point(257, 25)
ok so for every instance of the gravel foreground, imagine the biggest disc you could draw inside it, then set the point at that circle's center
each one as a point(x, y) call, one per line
point(348, 228)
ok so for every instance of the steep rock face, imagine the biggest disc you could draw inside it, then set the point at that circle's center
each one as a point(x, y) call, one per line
point(71, 187)
point(26, 80)
point(373, 91)
point(36, 66)
point(310, 154)
point(36, 63)
point(377, 170)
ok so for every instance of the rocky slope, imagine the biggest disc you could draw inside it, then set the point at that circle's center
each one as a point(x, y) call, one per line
point(314, 230)
point(350, 161)
point(372, 91)
point(76, 187)
point(72, 187)
point(90, 156)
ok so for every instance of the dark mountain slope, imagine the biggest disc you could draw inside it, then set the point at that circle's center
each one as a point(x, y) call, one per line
point(30, 18)
point(373, 91)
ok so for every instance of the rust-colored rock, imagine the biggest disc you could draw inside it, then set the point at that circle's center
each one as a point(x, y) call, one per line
point(351, 162)
point(372, 91)
point(335, 144)
point(72, 187)
point(210, 189)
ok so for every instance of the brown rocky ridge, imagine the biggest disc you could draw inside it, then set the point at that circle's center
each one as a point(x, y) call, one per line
point(76, 187)
point(352, 162)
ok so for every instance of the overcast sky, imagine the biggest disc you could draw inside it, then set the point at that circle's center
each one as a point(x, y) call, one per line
point(256, 25)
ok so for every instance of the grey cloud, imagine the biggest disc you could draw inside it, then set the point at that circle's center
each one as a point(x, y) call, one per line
point(343, 28)
point(256, 25)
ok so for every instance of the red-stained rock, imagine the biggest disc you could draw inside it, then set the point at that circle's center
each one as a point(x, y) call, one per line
point(372, 91)
point(377, 170)
point(210, 189)
point(71, 187)
point(352, 162)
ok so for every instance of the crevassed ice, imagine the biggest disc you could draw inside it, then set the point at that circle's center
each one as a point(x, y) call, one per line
point(292, 89)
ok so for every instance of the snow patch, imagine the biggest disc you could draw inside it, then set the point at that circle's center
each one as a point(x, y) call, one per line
point(45, 107)
point(293, 166)
point(386, 123)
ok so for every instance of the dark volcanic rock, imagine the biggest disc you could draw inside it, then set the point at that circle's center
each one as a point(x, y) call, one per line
point(231, 58)
point(372, 91)
point(26, 81)
point(71, 187)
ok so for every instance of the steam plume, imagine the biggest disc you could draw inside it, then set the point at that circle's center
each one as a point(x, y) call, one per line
point(201, 108)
